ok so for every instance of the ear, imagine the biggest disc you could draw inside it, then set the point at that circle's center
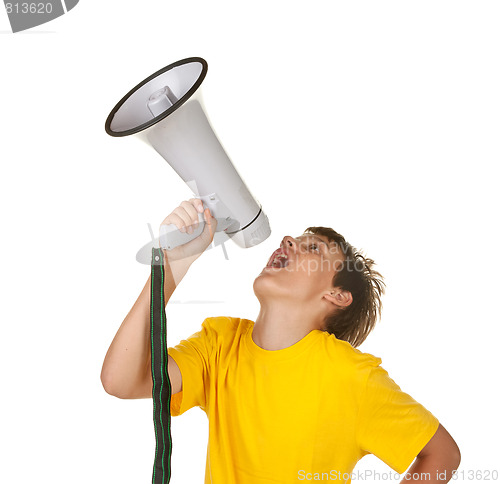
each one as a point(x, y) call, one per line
point(338, 297)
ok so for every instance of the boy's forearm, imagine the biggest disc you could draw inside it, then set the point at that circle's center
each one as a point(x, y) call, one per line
point(128, 359)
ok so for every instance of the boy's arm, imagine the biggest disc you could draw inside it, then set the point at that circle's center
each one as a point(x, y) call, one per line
point(436, 461)
point(126, 371)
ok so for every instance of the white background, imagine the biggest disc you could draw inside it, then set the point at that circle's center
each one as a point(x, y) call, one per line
point(379, 119)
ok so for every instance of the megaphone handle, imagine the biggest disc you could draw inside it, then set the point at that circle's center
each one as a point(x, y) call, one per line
point(171, 236)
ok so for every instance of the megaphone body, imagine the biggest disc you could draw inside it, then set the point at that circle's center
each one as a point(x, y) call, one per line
point(166, 112)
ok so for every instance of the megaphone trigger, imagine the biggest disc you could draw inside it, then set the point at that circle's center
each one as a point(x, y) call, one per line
point(171, 236)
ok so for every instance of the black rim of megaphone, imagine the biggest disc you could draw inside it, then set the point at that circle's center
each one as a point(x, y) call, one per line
point(170, 110)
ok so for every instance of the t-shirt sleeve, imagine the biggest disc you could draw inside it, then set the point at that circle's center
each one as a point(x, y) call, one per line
point(192, 356)
point(392, 425)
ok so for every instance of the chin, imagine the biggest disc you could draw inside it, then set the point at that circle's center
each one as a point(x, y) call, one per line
point(265, 285)
point(262, 284)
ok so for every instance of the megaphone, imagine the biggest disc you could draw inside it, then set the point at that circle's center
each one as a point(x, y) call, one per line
point(166, 111)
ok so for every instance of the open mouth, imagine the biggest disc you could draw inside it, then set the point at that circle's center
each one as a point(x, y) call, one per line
point(278, 260)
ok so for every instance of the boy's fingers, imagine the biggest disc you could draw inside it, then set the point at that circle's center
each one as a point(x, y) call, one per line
point(211, 223)
point(192, 216)
point(198, 204)
point(182, 213)
point(208, 216)
point(185, 216)
point(190, 210)
point(175, 219)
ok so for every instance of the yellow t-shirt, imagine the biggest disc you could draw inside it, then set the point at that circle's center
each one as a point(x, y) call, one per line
point(284, 416)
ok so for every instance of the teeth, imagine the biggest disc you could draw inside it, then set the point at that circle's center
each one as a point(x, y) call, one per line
point(279, 256)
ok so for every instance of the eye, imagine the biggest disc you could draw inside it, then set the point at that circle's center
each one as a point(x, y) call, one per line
point(314, 247)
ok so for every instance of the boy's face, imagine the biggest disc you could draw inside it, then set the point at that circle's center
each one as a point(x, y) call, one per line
point(301, 270)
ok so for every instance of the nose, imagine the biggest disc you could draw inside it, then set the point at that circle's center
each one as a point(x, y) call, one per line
point(289, 243)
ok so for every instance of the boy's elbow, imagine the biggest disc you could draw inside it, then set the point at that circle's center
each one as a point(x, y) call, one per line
point(106, 384)
point(115, 392)
point(109, 388)
point(452, 453)
point(451, 458)
point(456, 457)
point(126, 390)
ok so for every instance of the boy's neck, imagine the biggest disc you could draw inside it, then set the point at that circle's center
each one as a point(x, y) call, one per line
point(277, 328)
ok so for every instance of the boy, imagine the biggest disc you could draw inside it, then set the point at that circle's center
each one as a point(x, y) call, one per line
point(288, 397)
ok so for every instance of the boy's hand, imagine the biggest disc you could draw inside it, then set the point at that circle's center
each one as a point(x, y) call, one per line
point(185, 218)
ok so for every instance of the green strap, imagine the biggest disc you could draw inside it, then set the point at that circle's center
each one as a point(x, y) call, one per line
point(162, 390)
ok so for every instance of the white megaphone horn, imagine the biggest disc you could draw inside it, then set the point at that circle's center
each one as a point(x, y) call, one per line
point(166, 111)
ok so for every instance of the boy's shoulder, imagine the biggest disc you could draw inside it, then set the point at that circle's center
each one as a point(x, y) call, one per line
point(226, 325)
point(343, 356)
